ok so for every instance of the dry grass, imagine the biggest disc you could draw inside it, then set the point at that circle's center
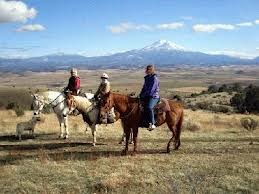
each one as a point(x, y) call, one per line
point(215, 159)
point(190, 89)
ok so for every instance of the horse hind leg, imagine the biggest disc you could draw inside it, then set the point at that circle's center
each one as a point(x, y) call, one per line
point(135, 140)
point(93, 128)
point(178, 133)
point(122, 138)
point(65, 120)
point(171, 139)
point(61, 126)
point(131, 140)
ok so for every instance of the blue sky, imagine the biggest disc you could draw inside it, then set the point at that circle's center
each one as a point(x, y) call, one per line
point(95, 27)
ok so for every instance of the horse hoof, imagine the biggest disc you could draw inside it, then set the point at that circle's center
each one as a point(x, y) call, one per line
point(131, 142)
point(124, 153)
point(168, 150)
point(93, 144)
point(120, 142)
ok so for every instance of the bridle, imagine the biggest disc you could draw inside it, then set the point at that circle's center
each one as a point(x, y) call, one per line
point(51, 103)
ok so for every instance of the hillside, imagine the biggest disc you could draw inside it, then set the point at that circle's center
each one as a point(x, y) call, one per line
point(163, 53)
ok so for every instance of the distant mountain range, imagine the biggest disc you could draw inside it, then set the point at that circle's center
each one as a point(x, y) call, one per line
point(162, 53)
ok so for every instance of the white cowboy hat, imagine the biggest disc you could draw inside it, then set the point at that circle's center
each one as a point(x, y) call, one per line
point(105, 76)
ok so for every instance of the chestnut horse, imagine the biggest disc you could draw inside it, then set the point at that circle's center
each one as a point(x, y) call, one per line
point(130, 114)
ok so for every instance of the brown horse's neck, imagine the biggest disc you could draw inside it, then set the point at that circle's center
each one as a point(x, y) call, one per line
point(124, 104)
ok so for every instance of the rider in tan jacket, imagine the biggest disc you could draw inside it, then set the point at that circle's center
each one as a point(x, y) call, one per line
point(104, 86)
point(103, 89)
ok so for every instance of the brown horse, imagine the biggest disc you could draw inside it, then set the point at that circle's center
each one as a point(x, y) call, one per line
point(130, 115)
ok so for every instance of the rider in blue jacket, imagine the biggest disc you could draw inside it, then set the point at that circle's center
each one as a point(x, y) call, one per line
point(150, 94)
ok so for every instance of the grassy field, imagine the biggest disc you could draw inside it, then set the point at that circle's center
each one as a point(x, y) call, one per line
point(217, 158)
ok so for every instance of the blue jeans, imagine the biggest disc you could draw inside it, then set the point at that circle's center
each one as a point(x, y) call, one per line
point(149, 105)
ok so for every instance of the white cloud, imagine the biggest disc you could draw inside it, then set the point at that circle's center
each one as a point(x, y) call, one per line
point(15, 11)
point(126, 26)
point(256, 21)
point(212, 27)
point(245, 24)
point(170, 26)
point(31, 27)
point(257, 48)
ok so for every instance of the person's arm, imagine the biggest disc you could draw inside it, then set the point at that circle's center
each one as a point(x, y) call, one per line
point(107, 88)
point(77, 83)
point(143, 91)
point(97, 92)
point(155, 86)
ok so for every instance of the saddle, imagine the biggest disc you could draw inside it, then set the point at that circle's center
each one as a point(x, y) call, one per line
point(160, 109)
point(162, 106)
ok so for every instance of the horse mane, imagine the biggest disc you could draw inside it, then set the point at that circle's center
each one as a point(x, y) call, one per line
point(82, 103)
point(47, 94)
point(124, 98)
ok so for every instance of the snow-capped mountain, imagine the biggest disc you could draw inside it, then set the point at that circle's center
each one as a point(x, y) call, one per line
point(163, 45)
point(162, 53)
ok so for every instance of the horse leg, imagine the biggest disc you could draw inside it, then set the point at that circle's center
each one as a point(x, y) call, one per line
point(168, 144)
point(135, 140)
point(61, 125)
point(66, 126)
point(93, 128)
point(178, 133)
point(122, 138)
point(127, 133)
point(131, 136)
point(170, 119)
point(86, 127)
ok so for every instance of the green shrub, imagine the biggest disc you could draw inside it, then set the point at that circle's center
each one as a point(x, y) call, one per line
point(220, 108)
point(19, 111)
point(11, 105)
point(177, 97)
point(249, 123)
point(213, 89)
point(203, 105)
point(252, 99)
point(47, 109)
point(191, 125)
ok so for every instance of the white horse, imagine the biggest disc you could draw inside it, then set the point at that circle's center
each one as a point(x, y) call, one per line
point(88, 110)
point(57, 101)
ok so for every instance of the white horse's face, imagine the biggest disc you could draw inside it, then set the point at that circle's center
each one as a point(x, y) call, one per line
point(37, 104)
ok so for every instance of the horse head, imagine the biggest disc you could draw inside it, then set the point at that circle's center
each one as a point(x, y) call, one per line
point(37, 104)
